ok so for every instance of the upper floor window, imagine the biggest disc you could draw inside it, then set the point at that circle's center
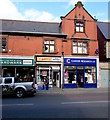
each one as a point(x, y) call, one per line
point(79, 47)
point(3, 42)
point(107, 49)
point(79, 27)
point(49, 46)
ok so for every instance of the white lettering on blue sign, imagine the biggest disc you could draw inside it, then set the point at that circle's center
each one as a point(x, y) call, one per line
point(87, 61)
point(68, 61)
point(75, 61)
point(80, 61)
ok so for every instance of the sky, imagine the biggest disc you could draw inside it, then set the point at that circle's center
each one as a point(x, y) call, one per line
point(49, 10)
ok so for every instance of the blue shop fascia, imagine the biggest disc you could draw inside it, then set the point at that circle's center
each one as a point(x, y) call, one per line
point(80, 72)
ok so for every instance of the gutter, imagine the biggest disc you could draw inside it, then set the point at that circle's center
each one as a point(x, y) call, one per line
point(33, 33)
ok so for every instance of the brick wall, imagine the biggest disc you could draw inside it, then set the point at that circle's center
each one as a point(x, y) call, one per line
point(30, 45)
point(68, 27)
point(101, 44)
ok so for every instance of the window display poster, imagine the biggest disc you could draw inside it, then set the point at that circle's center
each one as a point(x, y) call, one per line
point(66, 74)
point(86, 74)
point(44, 73)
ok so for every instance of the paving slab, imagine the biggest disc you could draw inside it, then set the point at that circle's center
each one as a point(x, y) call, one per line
point(56, 90)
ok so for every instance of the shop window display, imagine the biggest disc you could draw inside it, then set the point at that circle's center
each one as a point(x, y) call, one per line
point(70, 75)
point(21, 74)
point(90, 74)
point(9, 72)
point(43, 73)
point(25, 74)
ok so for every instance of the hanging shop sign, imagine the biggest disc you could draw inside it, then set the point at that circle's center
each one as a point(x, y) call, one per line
point(16, 62)
point(52, 59)
point(76, 61)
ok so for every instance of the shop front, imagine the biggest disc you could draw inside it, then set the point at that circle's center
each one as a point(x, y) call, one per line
point(21, 68)
point(80, 73)
point(50, 68)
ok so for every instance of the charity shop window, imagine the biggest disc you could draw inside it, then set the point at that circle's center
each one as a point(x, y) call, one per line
point(90, 74)
point(70, 75)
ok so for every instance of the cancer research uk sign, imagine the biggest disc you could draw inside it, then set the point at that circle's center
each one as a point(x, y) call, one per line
point(76, 61)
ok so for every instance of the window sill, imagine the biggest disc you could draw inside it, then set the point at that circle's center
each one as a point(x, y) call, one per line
point(79, 54)
point(49, 53)
point(4, 51)
point(79, 32)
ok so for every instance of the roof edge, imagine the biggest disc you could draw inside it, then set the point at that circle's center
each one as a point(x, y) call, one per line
point(103, 22)
point(40, 33)
point(29, 21)
point(79, 3)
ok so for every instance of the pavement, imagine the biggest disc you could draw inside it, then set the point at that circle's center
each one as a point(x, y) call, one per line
point(56, 90)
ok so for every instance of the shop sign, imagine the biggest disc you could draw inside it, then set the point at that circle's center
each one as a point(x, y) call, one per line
point(29, 62)
point(76, 61)
point(56, 59)
point(55, 68)
point(44, 58)
point(44, 73)
point(16, 62)
point(53, 59)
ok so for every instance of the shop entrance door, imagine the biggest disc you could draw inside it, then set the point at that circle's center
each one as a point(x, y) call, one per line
point(56, 78)
point(80, 76)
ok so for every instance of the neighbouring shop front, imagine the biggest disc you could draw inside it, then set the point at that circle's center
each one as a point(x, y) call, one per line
point(50, 68)
point(80, 73)
point(105, 74)
point(18, 67)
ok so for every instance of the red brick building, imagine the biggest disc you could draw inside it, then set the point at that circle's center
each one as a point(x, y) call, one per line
point(81, 48)
point(66, 52)
point(104, 52)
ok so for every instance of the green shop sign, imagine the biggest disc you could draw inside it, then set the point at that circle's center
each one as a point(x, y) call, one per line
point(16, 62)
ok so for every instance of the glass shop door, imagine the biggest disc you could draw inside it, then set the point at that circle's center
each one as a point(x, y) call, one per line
point(80, 76)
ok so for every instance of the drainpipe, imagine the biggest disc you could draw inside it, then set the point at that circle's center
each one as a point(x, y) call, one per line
point(62, 69)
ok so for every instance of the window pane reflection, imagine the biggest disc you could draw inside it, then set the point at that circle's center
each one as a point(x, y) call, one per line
point(51, 48)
